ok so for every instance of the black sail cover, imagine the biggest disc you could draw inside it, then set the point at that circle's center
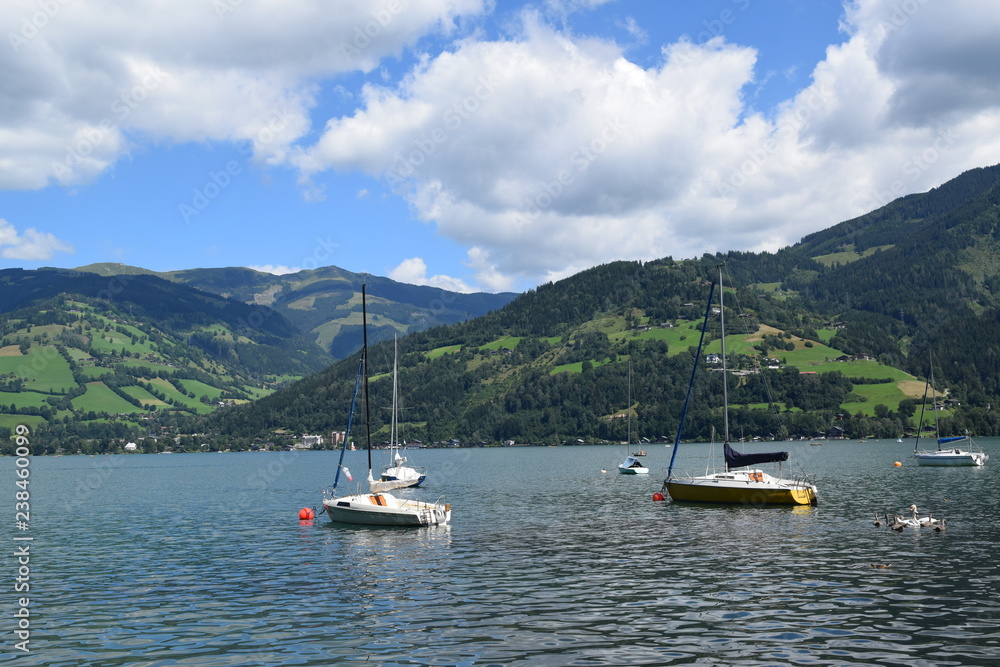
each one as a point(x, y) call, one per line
point(736, 460)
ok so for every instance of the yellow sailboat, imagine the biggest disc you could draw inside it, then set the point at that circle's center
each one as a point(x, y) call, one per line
point(739, 483)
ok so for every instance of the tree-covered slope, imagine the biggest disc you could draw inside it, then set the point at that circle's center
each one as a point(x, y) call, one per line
point(850, 340)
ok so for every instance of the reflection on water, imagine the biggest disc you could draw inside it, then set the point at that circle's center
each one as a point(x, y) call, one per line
point(200, 560)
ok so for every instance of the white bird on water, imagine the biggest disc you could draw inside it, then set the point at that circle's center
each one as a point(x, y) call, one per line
point(917, 520)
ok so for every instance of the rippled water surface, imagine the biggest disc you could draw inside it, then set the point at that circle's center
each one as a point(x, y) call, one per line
point(200, 559)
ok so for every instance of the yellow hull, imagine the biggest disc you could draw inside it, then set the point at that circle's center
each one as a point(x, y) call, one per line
point(757, 495)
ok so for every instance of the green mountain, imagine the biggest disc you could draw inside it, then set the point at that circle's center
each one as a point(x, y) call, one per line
point(831, 335)
point(110, 350)
point(846, 319)
point(79, 348)
point(325, 302)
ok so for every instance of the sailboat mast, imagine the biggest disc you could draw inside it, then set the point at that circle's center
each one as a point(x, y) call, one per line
point(368, 418)
point(694, 369)
point(725, 383)
point(937, 430)
point(629, 413)
point(394, 425)
point(920, 422)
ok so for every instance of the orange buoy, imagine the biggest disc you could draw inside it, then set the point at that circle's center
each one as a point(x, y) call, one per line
point(897, 463)
point(657, 497)
point(306, 513)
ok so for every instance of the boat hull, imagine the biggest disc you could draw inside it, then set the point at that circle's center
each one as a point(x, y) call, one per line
point(383, 509)
point(410, 476)
point(633, 466)
point(951, 457)
point(749, 488)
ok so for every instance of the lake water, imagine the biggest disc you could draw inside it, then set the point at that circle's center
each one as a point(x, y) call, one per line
point(200, 559)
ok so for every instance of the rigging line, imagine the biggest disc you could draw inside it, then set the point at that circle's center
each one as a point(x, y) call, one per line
point(350, 421)
point(368, 416)
point(687, 399)
point(725, 372)
point(920, 423)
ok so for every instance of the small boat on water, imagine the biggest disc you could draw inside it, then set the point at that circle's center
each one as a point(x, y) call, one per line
point(377, 507)
point(738, 484)
point(631, 465)
point(398, 469)
point(948, 452)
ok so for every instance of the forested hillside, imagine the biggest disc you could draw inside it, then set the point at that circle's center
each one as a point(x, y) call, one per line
point(841, 325)
point(832, 336)
point(86, 357)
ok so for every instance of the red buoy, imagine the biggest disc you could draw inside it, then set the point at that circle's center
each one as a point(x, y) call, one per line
point(305, 514)
point(657, 497)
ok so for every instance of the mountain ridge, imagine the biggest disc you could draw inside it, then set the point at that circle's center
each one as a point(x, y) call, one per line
point(324, 300)
point(841, 326)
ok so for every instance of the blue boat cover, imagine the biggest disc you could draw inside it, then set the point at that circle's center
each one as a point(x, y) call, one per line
point(945, 441)
point(734, 459)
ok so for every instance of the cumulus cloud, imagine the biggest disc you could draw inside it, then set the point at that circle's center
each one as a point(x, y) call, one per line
point(542, 152)
point(32, 245)
point(275, 269)
point(188, 70)
point(547, 153)
point(414, 272)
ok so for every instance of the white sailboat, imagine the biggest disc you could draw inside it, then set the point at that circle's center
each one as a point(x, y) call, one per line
point(632, 465)
point(398, 469)
point(738, 484)
point(377, 507)
point(950, 454)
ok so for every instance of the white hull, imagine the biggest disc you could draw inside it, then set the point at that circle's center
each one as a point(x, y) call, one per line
point(632, 466)
point(951, 457)
point(405, 474)
point(383, 509)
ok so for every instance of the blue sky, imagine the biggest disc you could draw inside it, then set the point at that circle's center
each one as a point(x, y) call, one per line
point(475, 145)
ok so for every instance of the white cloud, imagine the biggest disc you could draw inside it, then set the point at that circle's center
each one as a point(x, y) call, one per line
point(548, 153)
point(413, 271)
point(541, 153)
point(33, 245)
point(275, 269)
point(82, 81)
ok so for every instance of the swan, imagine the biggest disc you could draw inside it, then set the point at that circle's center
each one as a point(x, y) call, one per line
point(897, 523)
point(877, 521)
point(940, 526)
point(928, 520)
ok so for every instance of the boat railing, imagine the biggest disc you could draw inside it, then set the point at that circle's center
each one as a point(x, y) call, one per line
point(803, 481)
